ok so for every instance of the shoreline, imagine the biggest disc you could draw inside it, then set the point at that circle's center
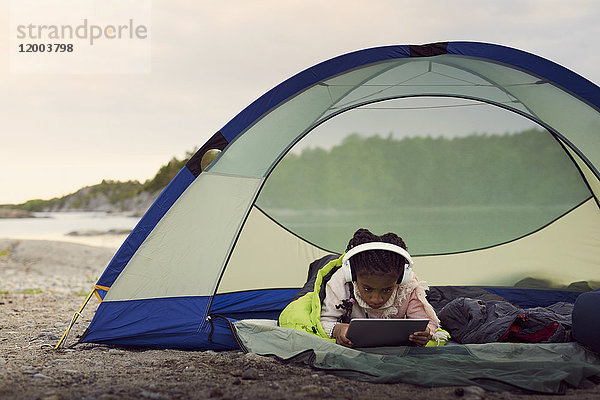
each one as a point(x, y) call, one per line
point(101, 229)
point(6, 213)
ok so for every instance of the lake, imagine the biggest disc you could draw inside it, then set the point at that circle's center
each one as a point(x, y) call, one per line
point(426, 230)
point(57, 226)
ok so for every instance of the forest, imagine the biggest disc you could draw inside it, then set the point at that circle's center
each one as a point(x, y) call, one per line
point(525, 168)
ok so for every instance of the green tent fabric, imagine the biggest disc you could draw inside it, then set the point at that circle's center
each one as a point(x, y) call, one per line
point(542, 368)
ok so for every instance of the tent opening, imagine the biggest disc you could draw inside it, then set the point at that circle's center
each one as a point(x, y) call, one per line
point(448, 174)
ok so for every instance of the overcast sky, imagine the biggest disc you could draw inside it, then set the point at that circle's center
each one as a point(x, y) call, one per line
point(211, 59)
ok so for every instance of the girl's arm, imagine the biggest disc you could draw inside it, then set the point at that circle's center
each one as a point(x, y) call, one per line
point(335, 291)
point(419, 307)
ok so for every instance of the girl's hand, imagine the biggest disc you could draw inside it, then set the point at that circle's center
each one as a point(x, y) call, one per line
point(420, 338)
point(339, 333)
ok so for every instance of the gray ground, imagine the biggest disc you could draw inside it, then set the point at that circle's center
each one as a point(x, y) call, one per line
point(42, 285)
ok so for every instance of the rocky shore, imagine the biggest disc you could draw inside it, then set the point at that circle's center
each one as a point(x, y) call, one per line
point(15, 213)
point(43, 283)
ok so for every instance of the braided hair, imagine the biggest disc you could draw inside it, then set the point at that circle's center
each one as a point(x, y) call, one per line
point(376, 261)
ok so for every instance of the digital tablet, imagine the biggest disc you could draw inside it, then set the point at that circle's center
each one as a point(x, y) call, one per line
point(373, 332)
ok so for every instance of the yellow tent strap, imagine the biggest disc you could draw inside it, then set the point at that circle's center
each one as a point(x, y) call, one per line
point(78, 313)
point(105, 288)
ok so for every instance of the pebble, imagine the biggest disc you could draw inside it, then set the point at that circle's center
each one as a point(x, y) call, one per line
point(47, 336)
point(2, 361)
point(250, 373)
point(349, 390)
point(256, 357)
point(40, 376)
point(116, 351)
point(328, 377)
point(311, 390)
point(108, 396)
point(150, 395)
point(470, 392)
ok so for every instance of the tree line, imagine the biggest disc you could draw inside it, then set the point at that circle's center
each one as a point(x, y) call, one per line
point(525, 168)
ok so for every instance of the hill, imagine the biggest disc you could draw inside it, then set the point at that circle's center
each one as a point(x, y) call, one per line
point(109, 195)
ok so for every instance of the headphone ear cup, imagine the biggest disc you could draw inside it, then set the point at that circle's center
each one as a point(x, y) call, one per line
point(347, 271)
point(405, 274)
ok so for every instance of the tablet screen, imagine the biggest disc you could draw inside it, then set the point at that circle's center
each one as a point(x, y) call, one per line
point(369, 332)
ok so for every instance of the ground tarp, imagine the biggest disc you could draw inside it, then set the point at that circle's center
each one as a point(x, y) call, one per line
point(542, 368)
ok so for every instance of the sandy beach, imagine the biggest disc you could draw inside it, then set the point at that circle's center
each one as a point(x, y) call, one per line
point(44, 282)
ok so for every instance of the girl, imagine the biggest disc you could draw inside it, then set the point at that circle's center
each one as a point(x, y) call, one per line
point(377, 289)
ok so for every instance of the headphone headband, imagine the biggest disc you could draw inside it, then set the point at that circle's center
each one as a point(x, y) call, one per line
point(373, 246)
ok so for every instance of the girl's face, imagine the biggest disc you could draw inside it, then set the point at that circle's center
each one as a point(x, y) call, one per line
point(376, 288)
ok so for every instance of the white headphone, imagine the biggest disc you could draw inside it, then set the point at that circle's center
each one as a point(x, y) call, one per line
point(349, 273)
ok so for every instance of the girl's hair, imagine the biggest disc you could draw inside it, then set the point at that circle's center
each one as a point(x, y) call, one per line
point(376, 261)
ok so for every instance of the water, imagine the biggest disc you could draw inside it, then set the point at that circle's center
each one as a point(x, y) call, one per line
point(426, 230)
point(56, 226)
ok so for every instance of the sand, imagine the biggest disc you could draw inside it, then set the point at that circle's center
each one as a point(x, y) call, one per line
point(43, 283)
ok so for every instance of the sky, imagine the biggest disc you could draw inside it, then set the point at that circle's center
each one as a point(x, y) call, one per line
point(202, 62)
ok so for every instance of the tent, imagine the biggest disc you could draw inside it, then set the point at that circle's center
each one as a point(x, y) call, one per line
point(233, 238)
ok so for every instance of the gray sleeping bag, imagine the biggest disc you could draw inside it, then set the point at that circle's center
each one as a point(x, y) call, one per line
point(478, 321)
